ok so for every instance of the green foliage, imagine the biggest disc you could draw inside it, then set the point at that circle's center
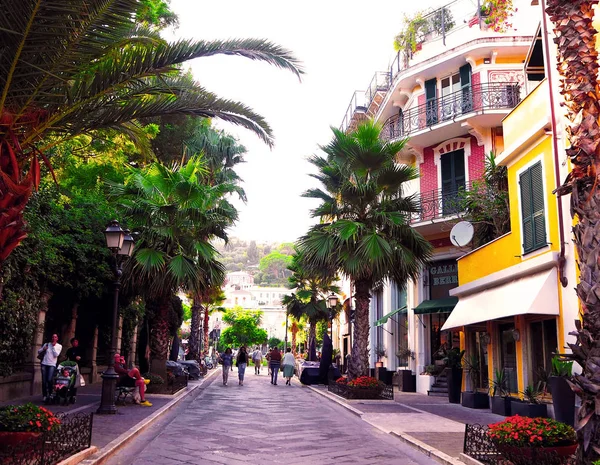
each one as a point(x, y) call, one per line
point(454, 357)
point(321, 330)
point(561, 367)
point(499, 385)
point(273, 268)
point(27, 418)
point(274, 342)
point(154, 379)
point(486, 203)
point(156, 13)
point(187, 311)
point(471, 364)
point(533, 393)
point(18, 319)
point(412, 30)
point(243, 328)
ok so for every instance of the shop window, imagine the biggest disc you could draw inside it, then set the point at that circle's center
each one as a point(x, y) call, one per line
point(477, 346)
point(508, 355)
point(532, 208)
point(543, 338)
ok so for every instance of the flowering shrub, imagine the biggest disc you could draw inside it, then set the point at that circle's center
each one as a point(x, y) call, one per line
point(27, 418)
point(365, 382)
point(342, 380)
point(538, 432)
point(497, 13)
point(154, 379)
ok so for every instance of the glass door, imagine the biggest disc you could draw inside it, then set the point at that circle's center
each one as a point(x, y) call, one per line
point(508, 355)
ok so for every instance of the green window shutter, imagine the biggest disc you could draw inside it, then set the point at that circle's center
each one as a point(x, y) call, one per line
point(532, 208)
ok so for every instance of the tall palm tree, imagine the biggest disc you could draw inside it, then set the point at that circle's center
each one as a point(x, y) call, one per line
point(578, 66)
point(309, 300)
point(98, 70)
point(174, 212)
point(364, 231)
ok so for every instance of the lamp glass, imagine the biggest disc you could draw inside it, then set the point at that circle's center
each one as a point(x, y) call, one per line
point(128, 245)
point(332, 300)
point(114, 235)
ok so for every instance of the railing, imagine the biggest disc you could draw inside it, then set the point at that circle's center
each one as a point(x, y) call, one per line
point(73, 435)
point(357, 103)
point(477, 98)
point(479, 445)
point(439, 204)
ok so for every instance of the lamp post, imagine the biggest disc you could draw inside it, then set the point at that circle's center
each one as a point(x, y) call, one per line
point(332, 301)
point(121, 245)
point(286, 330)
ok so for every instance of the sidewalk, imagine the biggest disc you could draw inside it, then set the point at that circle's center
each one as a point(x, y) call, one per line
point(129, 419)
point(430, 424)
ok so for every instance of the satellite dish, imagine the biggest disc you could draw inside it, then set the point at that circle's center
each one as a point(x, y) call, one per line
point(461, 234)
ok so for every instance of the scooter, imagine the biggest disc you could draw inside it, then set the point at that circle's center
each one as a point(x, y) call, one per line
point(208, 362)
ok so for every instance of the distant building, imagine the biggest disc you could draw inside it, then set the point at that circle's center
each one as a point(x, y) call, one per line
point(239, 280)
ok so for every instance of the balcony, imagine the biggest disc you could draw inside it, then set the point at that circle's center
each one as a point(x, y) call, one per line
point(438, 204)
point(475, 100)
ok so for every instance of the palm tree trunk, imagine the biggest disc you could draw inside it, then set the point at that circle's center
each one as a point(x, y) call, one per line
point(359, 360)
point(294, 332)
point(194, 341)
point(159, 336)
point(205, 342)
point(312, 341)
point(578, 67)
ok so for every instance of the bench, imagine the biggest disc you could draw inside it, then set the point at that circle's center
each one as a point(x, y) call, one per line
point(123, 393)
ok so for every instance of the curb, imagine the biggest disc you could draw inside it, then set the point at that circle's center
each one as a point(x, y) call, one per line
point(116, 444)
point(413, 442)
point(79, 456)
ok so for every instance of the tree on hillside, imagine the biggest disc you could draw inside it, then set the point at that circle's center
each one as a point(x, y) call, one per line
point(99, 70)
point(252, 252)
point(243, 328)
point(578, 67)
point(364, 230)
point(273, 268)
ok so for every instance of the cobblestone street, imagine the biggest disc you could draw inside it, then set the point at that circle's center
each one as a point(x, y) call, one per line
point(259, 423)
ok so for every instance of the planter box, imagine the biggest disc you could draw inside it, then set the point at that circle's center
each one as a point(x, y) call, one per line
point(528, 410)
point(501, 406)
point(563, 399)
point(408, 381)
point(348, 392)
point(454, 385)
point(478, 400)
point(424, 383)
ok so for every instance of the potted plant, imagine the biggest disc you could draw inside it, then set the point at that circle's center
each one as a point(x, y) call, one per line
point(522, 439)
point(496, 13)
point(453, 361)
point(563, 396)
point(500, 394)
point(24, 423)
point(531, 405)
point(381, 352)
point(407, 381)
point(474, 398)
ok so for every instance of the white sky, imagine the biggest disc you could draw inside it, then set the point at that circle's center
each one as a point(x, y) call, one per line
point(341, 44)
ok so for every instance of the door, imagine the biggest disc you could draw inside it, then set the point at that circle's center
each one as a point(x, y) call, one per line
point(431, 110)
point(453, 180)
point(508, 355)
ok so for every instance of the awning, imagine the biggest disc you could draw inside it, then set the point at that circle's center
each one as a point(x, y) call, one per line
point(383, 319)
point(436, 306)
point(536, 294)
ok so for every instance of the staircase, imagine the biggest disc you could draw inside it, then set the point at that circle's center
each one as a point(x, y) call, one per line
point(440, 386)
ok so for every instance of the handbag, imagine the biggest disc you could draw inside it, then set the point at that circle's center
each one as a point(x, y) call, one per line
point(41, 355)
point(81, 381)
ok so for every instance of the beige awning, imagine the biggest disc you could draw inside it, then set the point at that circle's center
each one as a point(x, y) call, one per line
point(536, 294)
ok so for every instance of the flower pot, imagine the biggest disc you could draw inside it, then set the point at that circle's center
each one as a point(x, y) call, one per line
point(525, 409)
point(454, 385)
point(378, 364)
point(563, 399)
point(16, 438)
point(501, 406)
point(476, 400)
point(534, 454)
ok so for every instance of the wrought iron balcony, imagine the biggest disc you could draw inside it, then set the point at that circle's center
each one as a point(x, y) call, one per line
point(477, 98)
point(439, 204)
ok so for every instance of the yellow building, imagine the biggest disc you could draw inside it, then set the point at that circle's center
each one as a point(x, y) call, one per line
point(516, 303)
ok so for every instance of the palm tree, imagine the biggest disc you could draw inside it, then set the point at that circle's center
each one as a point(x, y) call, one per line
point(364, 231)
point(578, 66)
point(174, 212)
point(98, 70)
point(309, 300)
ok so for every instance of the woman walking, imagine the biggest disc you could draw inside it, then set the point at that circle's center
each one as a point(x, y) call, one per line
point(242, 363)
point(274, 364)
point(288, 364)
point(49, 356)
point(227, 362)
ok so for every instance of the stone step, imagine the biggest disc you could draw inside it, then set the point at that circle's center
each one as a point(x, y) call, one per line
point(439, 389)
point(437, 394)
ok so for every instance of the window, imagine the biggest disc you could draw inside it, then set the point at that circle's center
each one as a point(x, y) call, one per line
point(543, 343)
point(453, 180)
point(450, 85)
point(532, 208)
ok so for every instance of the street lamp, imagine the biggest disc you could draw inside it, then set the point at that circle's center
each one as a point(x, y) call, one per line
point(332, 301)
point(121, 244)
point(286, 330)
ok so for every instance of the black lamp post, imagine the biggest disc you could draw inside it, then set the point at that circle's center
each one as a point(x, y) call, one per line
point(332, 301)
point(286, 331)
point(121, 245)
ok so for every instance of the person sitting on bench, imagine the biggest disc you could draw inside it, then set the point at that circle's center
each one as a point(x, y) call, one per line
point(130, 378)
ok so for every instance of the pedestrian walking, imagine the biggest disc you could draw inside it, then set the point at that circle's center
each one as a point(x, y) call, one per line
point(288, 363)
point(274, 364)
point(226, 360)
point(257, 357)
point(241, 362)
point(268, 357)
point(74, 353)
point(48, 355)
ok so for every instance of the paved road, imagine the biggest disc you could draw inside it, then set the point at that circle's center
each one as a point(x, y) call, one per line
point(259, 423)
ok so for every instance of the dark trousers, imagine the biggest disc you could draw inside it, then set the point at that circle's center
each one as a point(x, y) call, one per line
point(47, 376)
point(274, 371)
